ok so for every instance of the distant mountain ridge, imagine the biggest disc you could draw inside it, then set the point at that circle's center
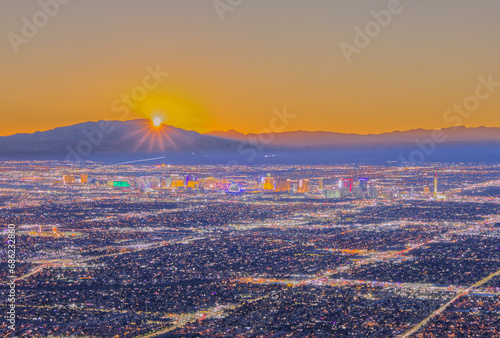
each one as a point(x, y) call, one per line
point(111, 140)
point(85, 139)
point(330, 139)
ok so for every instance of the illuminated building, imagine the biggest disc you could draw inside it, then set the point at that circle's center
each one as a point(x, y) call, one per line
point(268, 182)
point(372, 192)
point(283, 185)
point(363, 184)
point(303, 186)
point(209, 183)
point(344, 192)
point(357, 192)
point(234, 188)
point(426, 190)
point(192, 184)
point(331, 193)
point(223, 184)
point(154, 184)
point(436, 194)
point(84, 178)
point(54, 233)
point(252, 185)
point(346, 183)
point(321, 186)
point(121, 184)
point(177, 183)
point(190, 178)
point(167, 181)
point(69, 179)
point(387, 195)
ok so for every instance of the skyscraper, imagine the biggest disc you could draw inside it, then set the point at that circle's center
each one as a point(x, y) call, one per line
point(69, 179)
point(303, 186)
point(268, 182)
point(283, 185)
point(346, 183)
point(363, 184)
point(372, 192)
point(189, 178)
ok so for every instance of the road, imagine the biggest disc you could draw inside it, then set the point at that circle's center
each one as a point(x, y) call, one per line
point(445, 306)
point(57, 262)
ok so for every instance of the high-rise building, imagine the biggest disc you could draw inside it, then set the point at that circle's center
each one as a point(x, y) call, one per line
point(283, 185)
point(363, 184)
point(357, 192)
point(268, 182)
point(344, 192)
point(321, 186)
point(167, 181)
point(437, 195)
point(303, 186)
point(372, 191)
point(84, 178)
point(346, 183)
point(69, 179)
point(189, 178)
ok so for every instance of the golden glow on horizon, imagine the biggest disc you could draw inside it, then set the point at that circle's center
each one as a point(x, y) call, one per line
point(173, 109)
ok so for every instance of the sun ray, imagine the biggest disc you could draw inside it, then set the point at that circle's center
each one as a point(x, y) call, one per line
point(154, 138)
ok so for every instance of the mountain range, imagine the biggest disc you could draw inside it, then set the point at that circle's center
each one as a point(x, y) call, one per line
point(112, 141)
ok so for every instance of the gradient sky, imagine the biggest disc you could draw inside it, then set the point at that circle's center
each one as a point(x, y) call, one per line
point(266, 54)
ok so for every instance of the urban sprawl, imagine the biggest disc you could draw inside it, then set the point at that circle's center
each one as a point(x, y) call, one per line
point(251, 251)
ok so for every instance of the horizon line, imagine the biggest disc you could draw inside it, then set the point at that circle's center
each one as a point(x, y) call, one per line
point(257, 133)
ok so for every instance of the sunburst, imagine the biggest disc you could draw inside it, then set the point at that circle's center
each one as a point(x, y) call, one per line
point(154, 134)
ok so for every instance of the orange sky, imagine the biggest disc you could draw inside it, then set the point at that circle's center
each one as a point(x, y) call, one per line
point(231, 74)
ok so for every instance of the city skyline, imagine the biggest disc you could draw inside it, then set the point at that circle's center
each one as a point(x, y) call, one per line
point(206, 250)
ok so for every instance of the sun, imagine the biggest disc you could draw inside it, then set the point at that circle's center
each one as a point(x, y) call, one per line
point(157, 121)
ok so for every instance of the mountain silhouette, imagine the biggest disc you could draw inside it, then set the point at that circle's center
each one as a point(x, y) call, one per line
point(120, 140)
